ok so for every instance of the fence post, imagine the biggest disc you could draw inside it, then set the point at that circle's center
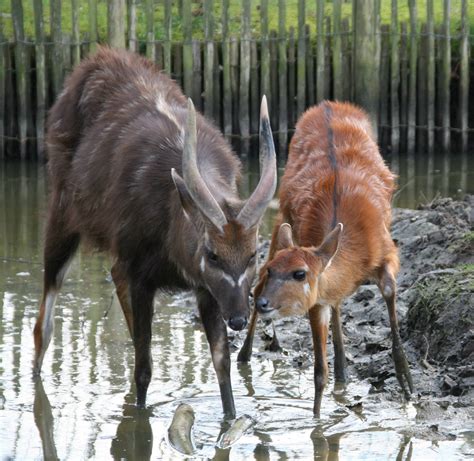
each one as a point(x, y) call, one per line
point(301, 60)
point(446, 77)
point(265, 54)
point(150, 35)
point(17, 14)
point(366, 69)
point(132, 25)
point(2, 91)
point(209, 59)
point(116, 23)
point(93, 26)
point(336, 51)
point(244, 70)
point(320, 65)
point(464, 77)
point(76, 45)
point(394, 79)
point(226, 75)
point(282, 76)
point(187, 48)
point(430, 71)
point(411, 130)
point(40, 78)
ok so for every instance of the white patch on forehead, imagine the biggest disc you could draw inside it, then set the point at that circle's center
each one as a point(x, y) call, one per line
point(325, 315)
point(202, 264)
point(242, 278)
point(229, 279)
point(307, 289)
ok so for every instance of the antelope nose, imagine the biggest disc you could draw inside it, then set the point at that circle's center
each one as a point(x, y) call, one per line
point(237, 323)
point(262, 305)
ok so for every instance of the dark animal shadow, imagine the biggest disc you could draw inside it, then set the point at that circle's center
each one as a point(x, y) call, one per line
point(134, 436)
point(44, 421)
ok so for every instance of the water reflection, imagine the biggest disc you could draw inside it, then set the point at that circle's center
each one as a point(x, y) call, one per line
point(83, 406)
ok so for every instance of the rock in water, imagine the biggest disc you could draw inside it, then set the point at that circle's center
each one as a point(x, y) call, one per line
point(237, 430)
point(179, 433)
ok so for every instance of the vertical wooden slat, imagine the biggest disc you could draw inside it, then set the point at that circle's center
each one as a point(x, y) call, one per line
point(177, 63)
point(197, 75)
point(430, 70)
point(254, 92)
point(187, 48)
point(403, 82)
point(282, 77)
point(265, 54)
point(92, 26)
point(40, 77)
point(20, 64)
point(384, 84)
point(244, 69)
point(209, 58)
point(394, 80)
point(217, 77)
point(291, 78)
point(464, 76)
point(327, 58)
point(132, 25)
point(226, 75)
point(446, 77)
point(421, 90)
point(301, 60)
point(336, 52)
point(2, 90)
point(320, 64)
point(310, 81)
point(411, 116)
point(76, 45)
point(116, 23)
point(273, 109)
point(346, 60)
point(365, 49)
point(150, 35)
point(167, 43)
point(234, 80)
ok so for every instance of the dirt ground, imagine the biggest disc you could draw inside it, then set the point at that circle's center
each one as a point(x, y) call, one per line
point(435, 305)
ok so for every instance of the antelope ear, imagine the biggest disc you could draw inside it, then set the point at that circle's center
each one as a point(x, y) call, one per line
point(284, 237)
point(328, 248)
point(184, 196)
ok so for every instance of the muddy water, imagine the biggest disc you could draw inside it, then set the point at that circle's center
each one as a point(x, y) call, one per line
point(83, 407)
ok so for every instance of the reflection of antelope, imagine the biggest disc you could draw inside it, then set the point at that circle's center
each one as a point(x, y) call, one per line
point(136, 172)
point(335, 179)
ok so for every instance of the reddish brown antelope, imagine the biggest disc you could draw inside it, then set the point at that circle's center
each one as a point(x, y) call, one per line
point(332, 234)
point(136, 172)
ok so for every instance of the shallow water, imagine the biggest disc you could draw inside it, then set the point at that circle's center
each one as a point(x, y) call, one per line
point(83, 407)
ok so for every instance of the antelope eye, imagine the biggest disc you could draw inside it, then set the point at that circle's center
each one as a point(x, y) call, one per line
point(299, 275)
point(211, 256)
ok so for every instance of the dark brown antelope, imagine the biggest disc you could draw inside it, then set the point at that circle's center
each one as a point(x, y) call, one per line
point(136, 172)
point(332, 234)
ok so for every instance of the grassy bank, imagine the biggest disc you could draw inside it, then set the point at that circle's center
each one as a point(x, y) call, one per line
point(234, 16)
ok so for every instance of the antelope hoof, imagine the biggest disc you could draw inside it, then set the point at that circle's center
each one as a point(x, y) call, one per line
point(402, 370)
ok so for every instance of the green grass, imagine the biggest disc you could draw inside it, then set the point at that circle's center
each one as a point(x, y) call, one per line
point(234, 17)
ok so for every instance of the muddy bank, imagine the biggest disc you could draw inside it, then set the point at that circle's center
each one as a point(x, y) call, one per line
point(435, 307)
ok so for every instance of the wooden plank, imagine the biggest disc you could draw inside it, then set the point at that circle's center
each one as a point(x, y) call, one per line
point(20, 64)
point(3, 45)
point(291, 78)
point(431, 82)
point(150, 35)
point(197, 75)
point(92, 26)
point(464, 77)
point(411, 116)
point(274, 78)
point(282, 78)
point(394, 80)
point(446, 77)
point(403, 83)
point(226, 74)
point(132, 25)
point(116, 23)
point(177, 63)
point(265, 54)
point(217, 77)
point(346, 60)
point(254, 92)
point(76, 43)
point(337, 76)
point(421, 90)
point(209, 99)
point(310, 80)
point(384, 84)
point(40, 61)
point(327, 58)
point(187, 48)
point(244, 70)
point(234, 80)
point(366, 78)
point(301, 60)
point(320, 64)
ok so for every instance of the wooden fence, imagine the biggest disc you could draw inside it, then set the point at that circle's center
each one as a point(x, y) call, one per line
point(412, 77)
